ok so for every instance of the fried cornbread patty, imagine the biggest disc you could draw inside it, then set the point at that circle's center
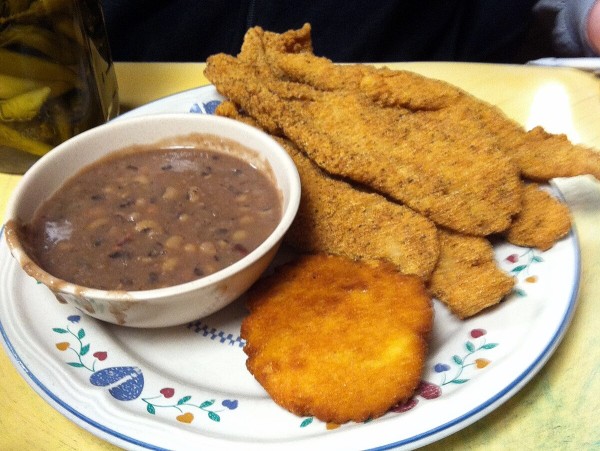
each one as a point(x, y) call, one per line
point(337, 339)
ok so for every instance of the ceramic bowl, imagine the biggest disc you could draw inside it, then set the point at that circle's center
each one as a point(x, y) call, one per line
point(163, 306)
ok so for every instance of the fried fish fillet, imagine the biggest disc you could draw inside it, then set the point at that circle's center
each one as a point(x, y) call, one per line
point(539, 155)
point(467, 278)
point(542, 156)
point(283, 86)
point(542, 221)
point(462, 182)
point(287, 55)
point(335, 217)
point(337, 339)
point(327, 223)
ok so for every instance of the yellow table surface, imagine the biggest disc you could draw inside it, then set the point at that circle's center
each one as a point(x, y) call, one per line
point(558, 409)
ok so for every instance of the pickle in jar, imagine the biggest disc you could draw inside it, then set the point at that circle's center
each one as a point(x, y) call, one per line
point(24, 107)
point(48, 82)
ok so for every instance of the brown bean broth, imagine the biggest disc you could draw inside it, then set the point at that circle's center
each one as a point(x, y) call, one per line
point(154, 218)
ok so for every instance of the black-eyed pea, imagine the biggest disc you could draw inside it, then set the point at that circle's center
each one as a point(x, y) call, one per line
point(114, 233)
point(170, 193)
point(247, 219)
point(148, 226)
point(169, 264)
point(208, 248)
point(241, 198)
point(209, 268)
point(193, 194)
point(190, 247)
point(174, 242)
point(266, 212)
point(239, 235)
point(96, 223)
point(142, 179)
point(183, 217)
point(125, 199)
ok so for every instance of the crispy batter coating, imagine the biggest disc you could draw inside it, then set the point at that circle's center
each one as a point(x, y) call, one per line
point(539, 155)
point(542, 156)
point(460, 181)
point(295, 75)
point(466, 277)
point(334, 217)
point(420, 142)
point(542, 222)
point(408, 90)
point(387, 87)
point(337, 339)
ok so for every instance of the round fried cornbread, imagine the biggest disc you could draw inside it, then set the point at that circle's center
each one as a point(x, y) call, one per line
point(337, 339)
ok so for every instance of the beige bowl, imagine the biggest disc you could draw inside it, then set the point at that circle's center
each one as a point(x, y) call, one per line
point(164, 306)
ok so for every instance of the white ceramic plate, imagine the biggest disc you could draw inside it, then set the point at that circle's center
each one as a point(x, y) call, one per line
point(187, 387)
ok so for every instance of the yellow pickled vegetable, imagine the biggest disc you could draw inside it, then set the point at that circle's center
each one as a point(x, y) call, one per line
point(53, 45)
point(13, 86)
point(24, 107)
point(48, 81)
point(14, 139)
point(26, 66)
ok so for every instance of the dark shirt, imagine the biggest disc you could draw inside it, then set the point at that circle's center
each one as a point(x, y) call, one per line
point(348, 31)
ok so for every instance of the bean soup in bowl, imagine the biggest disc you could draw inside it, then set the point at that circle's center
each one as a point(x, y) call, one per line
point(154, 221)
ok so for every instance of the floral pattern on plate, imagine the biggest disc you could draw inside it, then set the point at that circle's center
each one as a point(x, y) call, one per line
point(126, 383)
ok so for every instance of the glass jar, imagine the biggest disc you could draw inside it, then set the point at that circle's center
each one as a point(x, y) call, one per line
point(56, 76)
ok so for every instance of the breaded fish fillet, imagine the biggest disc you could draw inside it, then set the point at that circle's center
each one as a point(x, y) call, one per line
point(287, 56)
point(539, 155)
point(542, 221)
point(336, 218)
point(467, 278)
point(337, 339)
point(462, 182)
point(542, 156)
point(397, 133)
point(324, 224)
